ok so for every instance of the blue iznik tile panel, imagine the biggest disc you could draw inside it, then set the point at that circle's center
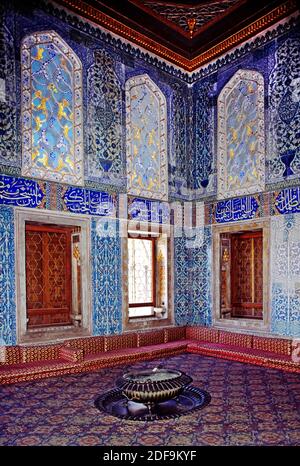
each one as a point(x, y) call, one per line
point(86, 201)
point(20, 192)
point(146, 138)
point(7, 277)
point(241, 135)
point(144, 210)
point(178, 155)
point(181, 282)
point(9, 139)
point(284, 104)
point(285, 275)
point(192, 260)
point(232, 210)
point(106, 277)
point(200, 266)
point(105, 161)
point(202, 170)
point(288, 201)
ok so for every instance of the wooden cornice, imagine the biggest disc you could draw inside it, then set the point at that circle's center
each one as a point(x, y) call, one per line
point(102, 19)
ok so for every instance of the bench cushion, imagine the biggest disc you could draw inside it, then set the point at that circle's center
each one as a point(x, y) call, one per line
point(124, 341)
point(71, 354)
point(39, 353)
point(274, 345)
point(222, 348)
point(174, 334)
point(89, 345)
point(202, 334)
point(238, 339)
point(154, 337)
point(10, 355)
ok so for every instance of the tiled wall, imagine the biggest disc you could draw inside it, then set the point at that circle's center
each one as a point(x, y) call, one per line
point(285, 275)
point(192, 148)
point(7, 278)
point(106, 277)
point(107, 64)
point(276, 61)
point(193, 299)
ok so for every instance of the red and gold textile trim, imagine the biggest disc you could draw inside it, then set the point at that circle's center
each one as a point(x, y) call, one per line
point(202, 334)
point(39, 353)
point(115, 342)
point(11, 355)
point(89, 345)
point(274, 345)
point(174, 334)
point(273, 363)
point(154, 337)
point(71, 354)
point(237, 339)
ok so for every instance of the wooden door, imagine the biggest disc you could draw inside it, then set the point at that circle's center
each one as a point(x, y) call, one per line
point(247, 274)
point(48, 275)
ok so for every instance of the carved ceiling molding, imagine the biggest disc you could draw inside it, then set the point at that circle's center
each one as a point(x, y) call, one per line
point(188, 20)
point(102, 19)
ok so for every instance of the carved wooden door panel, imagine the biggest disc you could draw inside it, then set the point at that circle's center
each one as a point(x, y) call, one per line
point(247, 274)
point(48, 275)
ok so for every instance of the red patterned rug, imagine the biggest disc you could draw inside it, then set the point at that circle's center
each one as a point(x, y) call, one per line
point(250, 405)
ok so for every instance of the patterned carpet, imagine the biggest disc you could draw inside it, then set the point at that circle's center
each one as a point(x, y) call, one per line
point(250, 406)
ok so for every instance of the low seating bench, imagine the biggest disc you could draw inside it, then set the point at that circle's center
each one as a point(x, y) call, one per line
point(24, 363)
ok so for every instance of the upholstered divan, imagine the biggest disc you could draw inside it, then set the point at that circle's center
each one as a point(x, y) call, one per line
point(21, 363)
point(263, 351)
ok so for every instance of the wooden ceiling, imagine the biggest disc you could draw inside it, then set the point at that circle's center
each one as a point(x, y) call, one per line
point(186, 33)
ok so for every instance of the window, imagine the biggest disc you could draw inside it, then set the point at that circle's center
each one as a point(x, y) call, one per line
point(148, 285)
point(141, 274)
point(141, 264)
point(147, 276)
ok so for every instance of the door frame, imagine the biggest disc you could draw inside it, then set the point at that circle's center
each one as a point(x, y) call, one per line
point(240, 323)
point(67, 231)
point(235, 276)
point(23, 215)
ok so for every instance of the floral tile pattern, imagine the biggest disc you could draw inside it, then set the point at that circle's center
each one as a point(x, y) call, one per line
point(285, 267)
point(7, 277)
point(284, 98)
point(105, 161)
point(106, 277)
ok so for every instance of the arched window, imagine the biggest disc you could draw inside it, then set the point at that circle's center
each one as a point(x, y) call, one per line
point(51, 109)
point(241, 141)
point(146, 139)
